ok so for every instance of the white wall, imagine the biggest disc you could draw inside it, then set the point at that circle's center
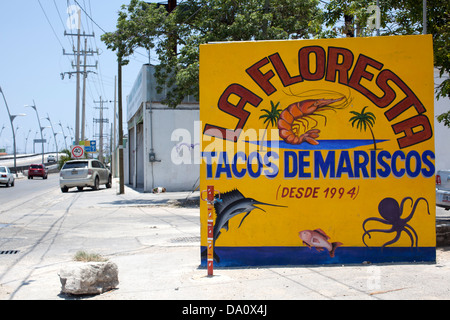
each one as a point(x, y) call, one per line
point(131, 157)
point(441, 132)
point(177, 124)
point(140, 147)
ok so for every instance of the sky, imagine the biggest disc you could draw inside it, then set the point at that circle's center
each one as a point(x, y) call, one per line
point(31, 62)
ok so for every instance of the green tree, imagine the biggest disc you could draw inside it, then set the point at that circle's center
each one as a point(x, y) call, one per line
point(176, 37)
point(399, 17)
point(364, 120)
point(64, 158)
point(445, 118)
point(139, 24)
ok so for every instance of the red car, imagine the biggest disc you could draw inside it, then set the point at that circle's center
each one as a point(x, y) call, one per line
point(37, 170)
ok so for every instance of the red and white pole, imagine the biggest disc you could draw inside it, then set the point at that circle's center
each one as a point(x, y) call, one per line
point(210, 249)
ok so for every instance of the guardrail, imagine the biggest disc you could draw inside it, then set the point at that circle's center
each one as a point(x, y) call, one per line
point(22, 156)
point(24, 169)
point(52, 168)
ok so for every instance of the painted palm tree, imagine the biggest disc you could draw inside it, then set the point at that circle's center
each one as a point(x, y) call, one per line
point(271, 116)
point(364, 120)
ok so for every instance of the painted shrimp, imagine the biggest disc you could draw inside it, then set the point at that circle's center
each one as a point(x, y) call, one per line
point(296, 114)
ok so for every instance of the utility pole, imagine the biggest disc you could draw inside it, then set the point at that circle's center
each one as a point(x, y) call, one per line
point(78, 53)
point(77, 116)
point(101, 121)
point(121, 169)
point(424, 15)
point(379, 22)
point(111, 148)
point(113, 167)
point(265, 22)
point(85, 74)
point(172, 4)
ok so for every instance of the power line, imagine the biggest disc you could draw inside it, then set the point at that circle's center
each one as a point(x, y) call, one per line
point(62, 22)
point(60, 18)
point(53, 29)
point(89, 16)
point(85, 18)
point(99, 74)
point(97, 85)
point(99, 88)
point(51, 26)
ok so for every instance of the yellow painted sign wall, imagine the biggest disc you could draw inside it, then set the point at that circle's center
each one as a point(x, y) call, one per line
point(322, 150)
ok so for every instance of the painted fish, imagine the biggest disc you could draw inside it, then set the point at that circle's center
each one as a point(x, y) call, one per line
point(317, 238)
point(232, 204)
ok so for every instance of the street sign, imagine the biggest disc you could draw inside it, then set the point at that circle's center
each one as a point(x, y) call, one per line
point(77, 152)
point(89, 146)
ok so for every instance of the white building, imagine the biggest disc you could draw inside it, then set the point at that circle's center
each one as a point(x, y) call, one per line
point(163, 143)
point(441, 132)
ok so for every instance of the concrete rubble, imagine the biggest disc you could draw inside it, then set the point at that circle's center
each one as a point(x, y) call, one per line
point(89, 278)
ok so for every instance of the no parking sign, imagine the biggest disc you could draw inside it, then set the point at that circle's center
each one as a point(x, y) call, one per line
point(77, 152)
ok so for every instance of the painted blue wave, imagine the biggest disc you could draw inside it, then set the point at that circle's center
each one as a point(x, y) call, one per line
point(282, 256)
point(323, 144)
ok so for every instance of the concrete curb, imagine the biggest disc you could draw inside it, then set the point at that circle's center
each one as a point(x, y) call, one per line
point(442, 233)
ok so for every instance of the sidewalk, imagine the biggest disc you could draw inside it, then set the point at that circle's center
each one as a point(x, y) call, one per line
point(154, 240)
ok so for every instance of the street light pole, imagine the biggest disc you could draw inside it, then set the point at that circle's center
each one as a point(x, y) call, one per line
point(64, 135)
point(17, 129)
point(26, 140)
point(40, 128)
point(34, 147)
point(11, 119)
point(54, 136)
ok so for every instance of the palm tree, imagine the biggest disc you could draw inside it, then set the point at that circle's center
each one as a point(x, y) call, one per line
point(364, 120)
point(271, 117)
point(66, 157)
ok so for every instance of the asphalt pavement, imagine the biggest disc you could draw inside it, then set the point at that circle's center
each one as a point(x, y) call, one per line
point(154, 240)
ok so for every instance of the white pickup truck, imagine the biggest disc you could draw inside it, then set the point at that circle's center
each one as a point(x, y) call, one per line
point(443, 189)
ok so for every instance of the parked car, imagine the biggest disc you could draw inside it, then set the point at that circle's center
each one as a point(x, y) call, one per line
point(6, 177)
point(84, 173)
point(443, 189)
point(37, 170)
point(51, 158)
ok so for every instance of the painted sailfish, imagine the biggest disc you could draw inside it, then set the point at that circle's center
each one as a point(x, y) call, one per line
point(231, 204)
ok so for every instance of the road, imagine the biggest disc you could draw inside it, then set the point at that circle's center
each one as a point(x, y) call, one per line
point(25, 190)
